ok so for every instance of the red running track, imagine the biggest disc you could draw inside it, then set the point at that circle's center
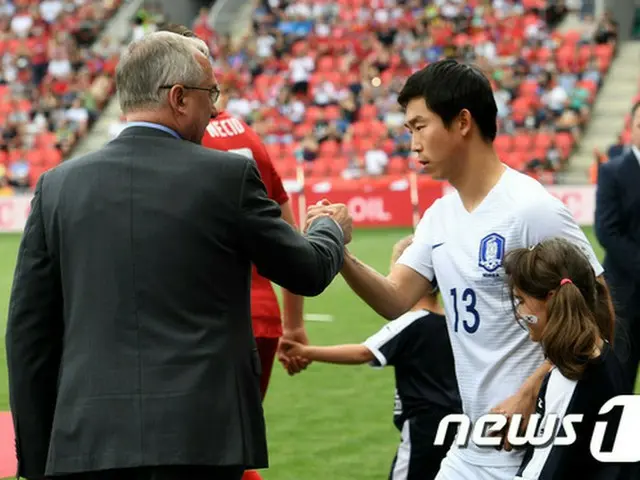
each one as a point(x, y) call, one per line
point(7, 446)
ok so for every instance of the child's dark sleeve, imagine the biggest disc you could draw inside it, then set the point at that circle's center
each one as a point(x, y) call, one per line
point(389, 344)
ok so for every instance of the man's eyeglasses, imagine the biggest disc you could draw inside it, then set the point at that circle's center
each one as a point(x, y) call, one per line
point(214, 92)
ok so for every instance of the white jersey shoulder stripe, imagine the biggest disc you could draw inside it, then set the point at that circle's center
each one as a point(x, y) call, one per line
point(391, 330)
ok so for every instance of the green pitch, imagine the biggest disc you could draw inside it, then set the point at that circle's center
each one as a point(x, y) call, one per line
point(329, 421)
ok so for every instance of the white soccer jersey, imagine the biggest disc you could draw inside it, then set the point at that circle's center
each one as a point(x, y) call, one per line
point(463, 253)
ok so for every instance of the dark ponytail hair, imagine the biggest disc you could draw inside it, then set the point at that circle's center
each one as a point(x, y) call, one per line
point(576, 313)
point(605, 314)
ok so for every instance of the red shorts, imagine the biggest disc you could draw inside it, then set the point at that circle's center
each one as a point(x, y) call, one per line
point(267, 348)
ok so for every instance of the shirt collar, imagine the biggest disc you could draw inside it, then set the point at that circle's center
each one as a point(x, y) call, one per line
point(636, 152)
point(157, 126)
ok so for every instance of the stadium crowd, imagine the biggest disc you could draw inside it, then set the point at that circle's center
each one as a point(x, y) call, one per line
point(56, 75)
point(317, 80)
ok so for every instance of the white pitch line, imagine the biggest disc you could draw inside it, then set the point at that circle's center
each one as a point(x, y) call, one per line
point(318, 317)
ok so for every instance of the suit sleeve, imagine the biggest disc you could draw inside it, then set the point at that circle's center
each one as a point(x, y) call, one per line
point(609, 224)
point(34, 343)
point(304, 265)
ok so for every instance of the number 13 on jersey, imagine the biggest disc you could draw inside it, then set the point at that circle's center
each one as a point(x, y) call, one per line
point(470, 317)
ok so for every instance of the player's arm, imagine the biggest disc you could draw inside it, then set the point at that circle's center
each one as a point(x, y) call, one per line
point(389, 296)
point(34, 343)
point(407, 282)
point(532, 385)
point(293, 304)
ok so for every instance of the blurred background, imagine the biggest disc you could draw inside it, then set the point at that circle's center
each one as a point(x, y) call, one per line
point(318, 80)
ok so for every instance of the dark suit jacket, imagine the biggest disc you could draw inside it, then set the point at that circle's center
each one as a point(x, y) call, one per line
point(129, 339)
point(617, 226)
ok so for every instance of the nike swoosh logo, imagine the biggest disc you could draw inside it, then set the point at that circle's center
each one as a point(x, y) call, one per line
point(433, 247)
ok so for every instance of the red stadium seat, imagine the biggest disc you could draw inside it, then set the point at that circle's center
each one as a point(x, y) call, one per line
point(522, 142)
point(503, 143)
point(543, 140)
point(398, 165)
point(329, 148)
point(565, 142)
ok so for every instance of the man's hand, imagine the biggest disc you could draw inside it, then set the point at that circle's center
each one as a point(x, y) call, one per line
point(338, 212)
point(292, 348)
point(523, 403)
point(290, 360)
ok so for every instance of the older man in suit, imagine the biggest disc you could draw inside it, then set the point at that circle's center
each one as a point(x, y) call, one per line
point(618, 230)
point(129, 340)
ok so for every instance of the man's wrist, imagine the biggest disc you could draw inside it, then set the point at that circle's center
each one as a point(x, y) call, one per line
point(349, 258)
point(292, 327)
point(333, 220)
point(339, 226)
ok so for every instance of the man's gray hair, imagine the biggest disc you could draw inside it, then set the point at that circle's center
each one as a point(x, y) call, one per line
point(158, 59)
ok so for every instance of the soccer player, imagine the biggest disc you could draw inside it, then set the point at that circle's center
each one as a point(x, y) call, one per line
point(426, 389)
point(460, 243)
point(553, 288)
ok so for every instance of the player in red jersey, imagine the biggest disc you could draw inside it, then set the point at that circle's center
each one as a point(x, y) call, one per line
point(231, 134)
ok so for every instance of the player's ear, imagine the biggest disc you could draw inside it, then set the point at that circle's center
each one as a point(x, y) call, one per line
point(464, 122)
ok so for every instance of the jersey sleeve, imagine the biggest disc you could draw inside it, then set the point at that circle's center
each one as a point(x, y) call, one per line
point(390, 343)
point(550, 218)
point(418, 255)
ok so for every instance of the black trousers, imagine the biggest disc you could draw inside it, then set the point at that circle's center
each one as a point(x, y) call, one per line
point(627, 344)
point(417, 457)
point(173, 472)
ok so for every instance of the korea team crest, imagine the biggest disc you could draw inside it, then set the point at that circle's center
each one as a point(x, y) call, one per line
point(491, 252)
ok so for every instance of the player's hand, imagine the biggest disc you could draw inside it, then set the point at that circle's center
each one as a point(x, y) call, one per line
point(338, 211)
point(290, 349)
point(523, 403)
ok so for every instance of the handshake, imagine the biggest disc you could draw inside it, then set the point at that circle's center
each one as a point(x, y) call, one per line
point(337, 212)
point(293, 353)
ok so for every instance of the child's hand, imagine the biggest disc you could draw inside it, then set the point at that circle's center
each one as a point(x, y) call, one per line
point(291, 348)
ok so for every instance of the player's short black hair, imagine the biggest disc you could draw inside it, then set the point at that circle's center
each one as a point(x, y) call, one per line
point(634, 109)
point(449, 87)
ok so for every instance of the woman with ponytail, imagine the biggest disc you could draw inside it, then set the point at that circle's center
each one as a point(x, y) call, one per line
point(556, 297)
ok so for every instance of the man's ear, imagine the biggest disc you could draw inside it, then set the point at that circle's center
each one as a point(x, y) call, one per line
point(464, 120)
point(176, 97)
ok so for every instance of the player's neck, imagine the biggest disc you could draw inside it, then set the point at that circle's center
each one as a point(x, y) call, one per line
point(430, 304)
point(478, 177)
